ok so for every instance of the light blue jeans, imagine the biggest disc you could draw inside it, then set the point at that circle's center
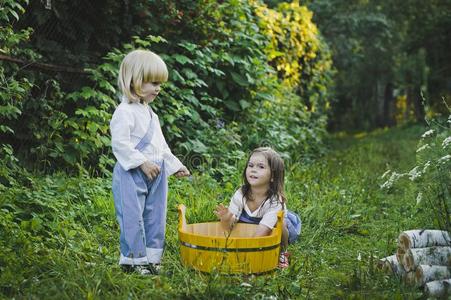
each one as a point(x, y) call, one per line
point(141, 212)
point(294, 226)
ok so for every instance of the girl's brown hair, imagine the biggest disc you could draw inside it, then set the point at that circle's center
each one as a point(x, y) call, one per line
point(276, 185)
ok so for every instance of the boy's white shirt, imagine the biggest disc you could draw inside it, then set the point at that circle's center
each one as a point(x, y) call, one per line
point(268, 211)
point(128, 125)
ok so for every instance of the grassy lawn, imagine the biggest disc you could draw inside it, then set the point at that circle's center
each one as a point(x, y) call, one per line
point(60, 237)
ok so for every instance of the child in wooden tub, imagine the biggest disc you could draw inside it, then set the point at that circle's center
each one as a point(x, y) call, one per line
point(259, 199)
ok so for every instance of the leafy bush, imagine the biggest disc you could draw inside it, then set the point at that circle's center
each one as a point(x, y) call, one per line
point(13, 89)
point(222, 91)
point(298, 100)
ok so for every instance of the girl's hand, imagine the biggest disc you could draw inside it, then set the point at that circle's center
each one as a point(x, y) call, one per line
point(225, 216)
point(183, 172)
point(222, 212)
point(150, 169)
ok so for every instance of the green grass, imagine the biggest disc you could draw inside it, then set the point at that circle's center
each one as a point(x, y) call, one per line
point(60, 237)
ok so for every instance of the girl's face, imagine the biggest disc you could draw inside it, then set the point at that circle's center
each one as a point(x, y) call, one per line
point(150, 91)
point(258, 172)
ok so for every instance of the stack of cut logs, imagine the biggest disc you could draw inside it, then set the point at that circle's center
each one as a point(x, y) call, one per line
point(423, 259)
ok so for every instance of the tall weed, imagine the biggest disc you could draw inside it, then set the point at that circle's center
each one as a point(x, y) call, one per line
point(430, 176)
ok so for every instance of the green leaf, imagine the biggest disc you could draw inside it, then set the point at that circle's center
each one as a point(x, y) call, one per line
point(87, 92)
point(232, 105)
point(188, 46)
point(60, 147)
point(92, 127)
point(239, 79)
point(244, 104)
point(199, 147)
point(189, 73)
point(157, 39)
point(182, 59)
point(36, 224)
point(177, 77)
point(15, 15)
point(170, 119)
point(266, 96)
point(6, 129)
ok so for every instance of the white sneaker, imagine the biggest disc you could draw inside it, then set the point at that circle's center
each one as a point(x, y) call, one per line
point(143, 270)
point(138, 269)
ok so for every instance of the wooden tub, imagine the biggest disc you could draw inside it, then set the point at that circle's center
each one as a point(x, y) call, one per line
point(206, 247)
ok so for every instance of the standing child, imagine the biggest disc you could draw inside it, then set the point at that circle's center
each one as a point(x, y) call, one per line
point(260, 199)
point(144, 161)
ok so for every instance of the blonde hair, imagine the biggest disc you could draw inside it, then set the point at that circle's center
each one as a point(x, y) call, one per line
point(138, 67)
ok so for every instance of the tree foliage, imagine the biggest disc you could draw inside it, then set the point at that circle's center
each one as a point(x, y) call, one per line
point(13, 89)
point(384, 52)
point(297, 51)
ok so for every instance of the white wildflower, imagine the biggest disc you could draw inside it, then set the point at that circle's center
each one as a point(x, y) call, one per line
point(393, 178)
point(414, 173)
point(428, 133)
point(419, 197)
point(446, 142)
point(449, 119)
point(359, 257)
point(426, 146)
point(385, 174)
point(444, 159)
point(426, 166)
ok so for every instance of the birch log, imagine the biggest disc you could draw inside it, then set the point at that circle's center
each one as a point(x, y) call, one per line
point(426, 256)
point(438, 288)
point(409, 278)
point(390, 264)
point(426, 273)
point(423, 238)
point(400, 252)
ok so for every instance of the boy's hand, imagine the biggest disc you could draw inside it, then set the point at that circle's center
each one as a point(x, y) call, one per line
point(150, 169)
point(183, 172)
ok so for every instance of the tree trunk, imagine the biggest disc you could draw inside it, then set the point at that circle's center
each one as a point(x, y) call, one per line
point(380, 102)
point(414, 101)
point(426, 273)
point(423, 238)
point(424, 256)
point(438, 288)
point(409, 103)
point(389, 109)
point(418, 103)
